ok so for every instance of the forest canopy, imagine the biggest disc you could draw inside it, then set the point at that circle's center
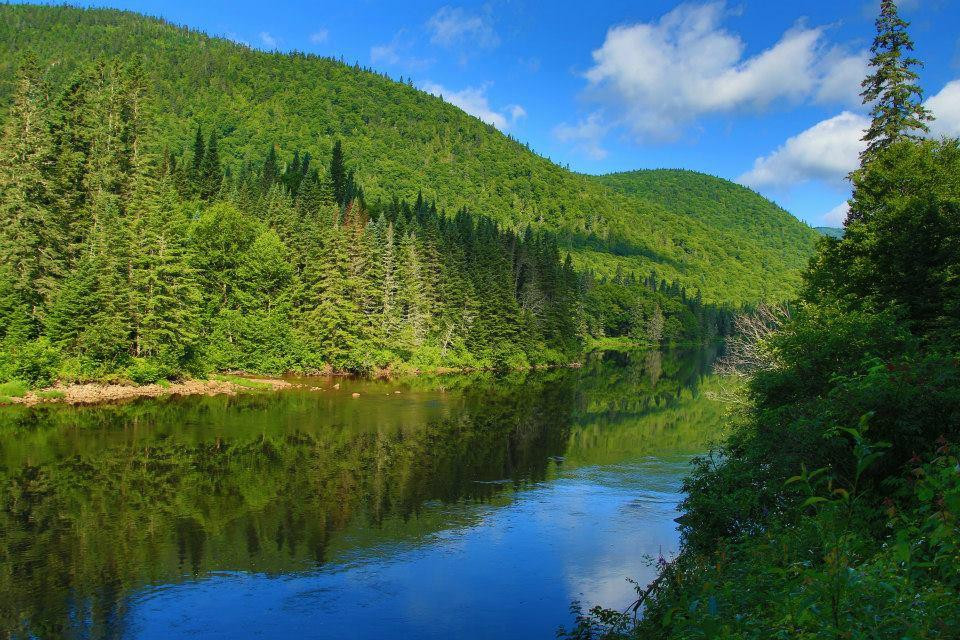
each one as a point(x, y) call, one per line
point(121, 262)
point(403, 141)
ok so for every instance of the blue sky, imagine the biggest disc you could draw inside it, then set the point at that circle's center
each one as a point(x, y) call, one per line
point(755, 91)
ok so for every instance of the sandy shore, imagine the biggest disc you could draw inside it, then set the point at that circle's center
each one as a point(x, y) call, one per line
point(98, 393)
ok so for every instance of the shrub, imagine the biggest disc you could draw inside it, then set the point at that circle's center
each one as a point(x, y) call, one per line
point(34, 362)
point(14, 388)
point(147, 371)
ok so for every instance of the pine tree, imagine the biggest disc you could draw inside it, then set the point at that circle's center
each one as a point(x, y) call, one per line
point(655, 326)
point(164, 286)
point(338, 174)
point(71, 311)
point(16, 324)
point(389, 320)
point(196, 168)
point(32, 242)
point(892, 89)
point(211, 174)
point(333, 316)
point(271, 171)
point(71, 133)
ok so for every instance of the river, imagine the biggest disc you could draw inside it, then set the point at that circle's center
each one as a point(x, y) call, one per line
point(473, 506)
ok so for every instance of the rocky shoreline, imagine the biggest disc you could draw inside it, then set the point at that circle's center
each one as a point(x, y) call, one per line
point(80, 394)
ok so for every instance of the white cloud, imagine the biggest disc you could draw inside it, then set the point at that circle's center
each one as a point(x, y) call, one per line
point(837, 216)
point(319, 36)
point(384, 53)
point(827, 151)
point(661, 75)
point(587, 135)
point(397, 53)
point(452, 26)
point(946, 109)
point(516, 112)
point(841, 79)
point(268, 40)
point(474, 101)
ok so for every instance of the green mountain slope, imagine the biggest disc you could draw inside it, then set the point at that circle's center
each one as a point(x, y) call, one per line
point(833, 232)
point(402, 140)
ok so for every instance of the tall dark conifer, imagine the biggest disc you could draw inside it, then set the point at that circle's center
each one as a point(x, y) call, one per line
point(338, 174)
point(196, 168)
point(211, 173)
point(271, 171)
point(892, 89)
point(31, 241)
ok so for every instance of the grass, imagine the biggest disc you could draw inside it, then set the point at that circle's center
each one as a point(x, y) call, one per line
point(14, 389)
point(240, 382)
point(50, 394)
point(618, 344)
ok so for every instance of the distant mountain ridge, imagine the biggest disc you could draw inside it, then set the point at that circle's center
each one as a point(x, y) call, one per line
point(703, 232)
point(833, 232)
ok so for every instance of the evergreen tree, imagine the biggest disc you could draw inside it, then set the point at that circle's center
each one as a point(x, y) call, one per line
point(892, 89)
point(271, 171)
point(655, 326)
point(32, 242)
point(196, 168)
point(71, 131)
point(16, 323)
point(331, 324)
point(210, 172)
point(164, 288)
point(338, 174)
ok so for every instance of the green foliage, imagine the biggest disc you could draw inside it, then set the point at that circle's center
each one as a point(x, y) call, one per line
point(831, 232)
point(147, 371)
point(49, 394)
point(406, 142)
point(900, 248)
point(168, 277)
point(760, 237)
point(805, 523)
point(14, 388)
point(35, 362)
point(241, 381)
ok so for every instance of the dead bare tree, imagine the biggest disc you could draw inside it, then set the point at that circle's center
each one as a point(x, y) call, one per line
point(747, 348)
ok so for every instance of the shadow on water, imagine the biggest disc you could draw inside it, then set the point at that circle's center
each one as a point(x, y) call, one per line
point(104, 508)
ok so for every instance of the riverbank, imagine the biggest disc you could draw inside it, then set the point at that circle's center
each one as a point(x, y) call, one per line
point(90, 393)
point(93, 393)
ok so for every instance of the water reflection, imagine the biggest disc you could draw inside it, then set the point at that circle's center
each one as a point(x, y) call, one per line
point(313, 513)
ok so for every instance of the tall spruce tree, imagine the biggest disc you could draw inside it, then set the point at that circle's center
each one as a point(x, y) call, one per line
point(31, 240)
point(164, 289)
point(338, 174)
point(196, 166)
point(892, 89)
point(271, 171)
point(71, 121)
point(211, 173)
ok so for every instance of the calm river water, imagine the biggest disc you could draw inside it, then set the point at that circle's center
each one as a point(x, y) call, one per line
point(461, 507)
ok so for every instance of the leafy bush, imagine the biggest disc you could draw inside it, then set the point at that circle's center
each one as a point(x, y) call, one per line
point(147, 371)
point(36, 362)
point(14, 388)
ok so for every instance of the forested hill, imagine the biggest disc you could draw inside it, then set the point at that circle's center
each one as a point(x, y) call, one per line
point(400, 141)
point(716, 202)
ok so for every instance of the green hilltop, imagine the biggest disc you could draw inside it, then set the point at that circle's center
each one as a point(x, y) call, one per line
point(705, 233)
